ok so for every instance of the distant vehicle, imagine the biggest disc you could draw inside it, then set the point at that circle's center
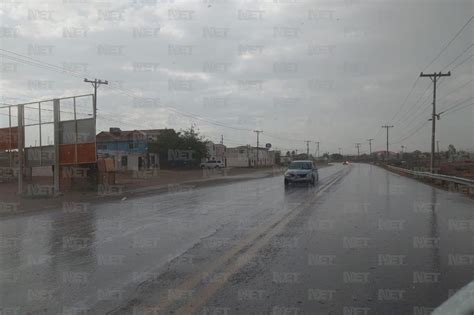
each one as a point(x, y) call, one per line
point(213, 164)
point(345, 163)
point(301, 172)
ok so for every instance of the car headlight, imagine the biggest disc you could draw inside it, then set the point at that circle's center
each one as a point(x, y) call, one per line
point(308, 175)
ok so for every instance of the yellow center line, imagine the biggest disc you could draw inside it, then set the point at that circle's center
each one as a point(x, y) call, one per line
point(273, 228)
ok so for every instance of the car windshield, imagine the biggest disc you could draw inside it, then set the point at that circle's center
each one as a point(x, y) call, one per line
point(300, 166)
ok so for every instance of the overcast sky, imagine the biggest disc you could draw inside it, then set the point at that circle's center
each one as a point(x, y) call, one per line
point(328, 71)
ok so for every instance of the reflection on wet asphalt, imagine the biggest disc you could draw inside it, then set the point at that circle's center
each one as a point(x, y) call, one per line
point(371, 231)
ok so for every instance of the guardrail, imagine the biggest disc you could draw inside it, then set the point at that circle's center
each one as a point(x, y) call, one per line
point(453, 180)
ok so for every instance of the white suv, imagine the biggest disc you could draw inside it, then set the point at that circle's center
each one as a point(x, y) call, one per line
point(213, 164)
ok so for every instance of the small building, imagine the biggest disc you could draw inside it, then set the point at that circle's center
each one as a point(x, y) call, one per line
point(129, 149)
point(152, 134)
point(246, 156)
point(381, 155)
point(216, 151)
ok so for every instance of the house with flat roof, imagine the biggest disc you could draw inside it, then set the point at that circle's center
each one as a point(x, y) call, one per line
point(246, 156)
point(128, 148)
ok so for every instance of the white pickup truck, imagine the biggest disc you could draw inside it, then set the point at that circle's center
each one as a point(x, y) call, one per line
point(213, 164)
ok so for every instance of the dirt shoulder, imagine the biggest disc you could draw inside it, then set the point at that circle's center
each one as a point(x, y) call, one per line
point(127, 186)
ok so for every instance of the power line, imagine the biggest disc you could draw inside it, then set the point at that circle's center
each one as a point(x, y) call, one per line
point(406, 115)
point(40, 64)
point(456, 89)
point(459, 108)
point(456, 105)
point(462, 62)
point(130, 93)
point(406, 99)
point(449, 43)
point(455, 59)
point(412, 133)
point(417, 113)
point(60, 70)
point(429, 64)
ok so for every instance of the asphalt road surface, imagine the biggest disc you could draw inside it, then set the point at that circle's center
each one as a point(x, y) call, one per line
point(363, 241)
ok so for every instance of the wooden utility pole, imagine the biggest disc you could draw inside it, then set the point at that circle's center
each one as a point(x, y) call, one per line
point(434, 76)
point(258, 143)
point(437, 150)
point(370, 146)
point(95, 84)
point(386, 151)
point(307, 148)
point(317, 148)
point(358, 147)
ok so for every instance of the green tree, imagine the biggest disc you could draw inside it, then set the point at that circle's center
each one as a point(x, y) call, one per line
point(451, 152)
point(187, 139)
point(192, 140)
point(336, 157)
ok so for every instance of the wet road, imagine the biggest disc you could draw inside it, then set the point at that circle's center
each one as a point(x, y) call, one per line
point(364, 241)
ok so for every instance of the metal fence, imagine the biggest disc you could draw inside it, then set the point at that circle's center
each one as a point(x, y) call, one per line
point(49, 133)
point(444, 178)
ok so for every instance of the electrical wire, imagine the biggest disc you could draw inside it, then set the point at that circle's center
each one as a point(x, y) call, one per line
point(430, 63)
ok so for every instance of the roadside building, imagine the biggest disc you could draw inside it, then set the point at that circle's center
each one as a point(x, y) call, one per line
point(381, 155)
point(285, 160)
point(153, 134)
point(129, 149)
point(216, 151)
point(246, 156)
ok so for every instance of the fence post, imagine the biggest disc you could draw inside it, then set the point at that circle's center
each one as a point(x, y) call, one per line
point(56, 145)
point(21, 145)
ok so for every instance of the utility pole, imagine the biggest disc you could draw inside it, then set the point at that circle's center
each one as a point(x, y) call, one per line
point(370, 146)
point(358, 146)
point(307, 148)
point(434, 76)
point(317, 148)
point(339, 151)
point(437, 150)
point(222, 139)
point(386, 151)
point(95, 84)
point(258, 143)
